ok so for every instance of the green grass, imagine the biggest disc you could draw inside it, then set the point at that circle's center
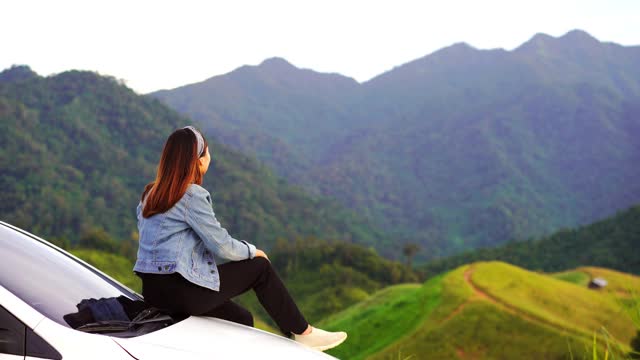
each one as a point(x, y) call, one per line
point(574, 277)
point(482, 331)
point(556, 302)
point(619, 284)
point(521, 315)
point(383, 318)
point(455, 292)
point(468, 326)
point(258, 323)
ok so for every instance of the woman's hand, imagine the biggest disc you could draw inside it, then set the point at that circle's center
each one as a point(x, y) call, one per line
point(261, 254)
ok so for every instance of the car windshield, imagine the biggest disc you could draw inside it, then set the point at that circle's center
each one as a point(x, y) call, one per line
point(49, 280)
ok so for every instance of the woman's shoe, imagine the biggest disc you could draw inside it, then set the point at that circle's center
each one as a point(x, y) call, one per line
point(320, 339)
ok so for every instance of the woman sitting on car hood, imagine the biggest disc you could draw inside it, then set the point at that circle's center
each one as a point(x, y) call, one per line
point(190, 265)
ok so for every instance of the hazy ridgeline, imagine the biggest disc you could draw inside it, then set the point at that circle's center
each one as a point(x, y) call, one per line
point(459, 149)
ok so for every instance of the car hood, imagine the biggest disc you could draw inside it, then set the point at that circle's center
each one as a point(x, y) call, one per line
point(210, 338)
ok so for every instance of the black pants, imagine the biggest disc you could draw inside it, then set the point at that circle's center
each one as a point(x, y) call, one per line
point(178, 296)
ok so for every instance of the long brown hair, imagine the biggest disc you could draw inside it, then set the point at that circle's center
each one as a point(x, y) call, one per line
point(177, 169)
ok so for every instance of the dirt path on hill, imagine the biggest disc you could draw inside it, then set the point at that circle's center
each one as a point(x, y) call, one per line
point(476, 290)
point(479, 294)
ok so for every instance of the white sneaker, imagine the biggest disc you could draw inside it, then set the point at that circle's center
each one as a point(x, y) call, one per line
point(321, 340)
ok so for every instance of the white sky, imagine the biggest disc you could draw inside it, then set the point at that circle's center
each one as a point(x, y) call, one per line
point(159, 44)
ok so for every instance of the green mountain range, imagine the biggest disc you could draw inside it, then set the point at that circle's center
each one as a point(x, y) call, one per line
point(462, 148)
point(77, 149)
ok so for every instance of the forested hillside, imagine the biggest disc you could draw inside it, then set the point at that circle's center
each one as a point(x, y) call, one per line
point(77, 149)
point(613, 243)
point(459, 149)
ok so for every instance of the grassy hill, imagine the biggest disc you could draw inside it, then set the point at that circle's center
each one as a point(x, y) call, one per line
point(619, 283)
point(383, 318)
point(624, 287)
point(487, 310)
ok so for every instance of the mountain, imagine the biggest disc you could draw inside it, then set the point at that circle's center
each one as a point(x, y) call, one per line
point(268, 110)
point(77, 149)
point(491, 310)
point(612, 243)
point(462, 148)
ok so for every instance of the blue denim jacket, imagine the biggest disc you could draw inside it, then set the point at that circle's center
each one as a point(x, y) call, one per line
point(188, 239)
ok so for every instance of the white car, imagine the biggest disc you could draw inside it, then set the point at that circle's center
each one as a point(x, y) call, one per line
point(53, 306)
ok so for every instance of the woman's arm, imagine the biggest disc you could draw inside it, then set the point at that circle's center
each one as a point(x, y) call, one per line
point(202, 219)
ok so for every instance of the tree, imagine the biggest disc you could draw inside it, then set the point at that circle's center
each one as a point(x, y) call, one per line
point(97, 238)
point(410, 250)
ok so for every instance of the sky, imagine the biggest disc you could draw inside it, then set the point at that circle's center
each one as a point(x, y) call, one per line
point(153, 45)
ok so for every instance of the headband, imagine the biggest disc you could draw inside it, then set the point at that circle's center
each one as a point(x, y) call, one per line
point(198, 138)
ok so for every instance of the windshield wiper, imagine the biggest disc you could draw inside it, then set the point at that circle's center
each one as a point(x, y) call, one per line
point(144, 317)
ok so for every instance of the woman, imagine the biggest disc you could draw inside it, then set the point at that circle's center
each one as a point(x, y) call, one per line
point(190, 265)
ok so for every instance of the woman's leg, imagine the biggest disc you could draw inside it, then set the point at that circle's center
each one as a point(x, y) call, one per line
point(238, 277)
point(177, 295)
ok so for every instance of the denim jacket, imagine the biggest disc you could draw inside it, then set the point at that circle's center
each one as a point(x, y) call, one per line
point(188, 239)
